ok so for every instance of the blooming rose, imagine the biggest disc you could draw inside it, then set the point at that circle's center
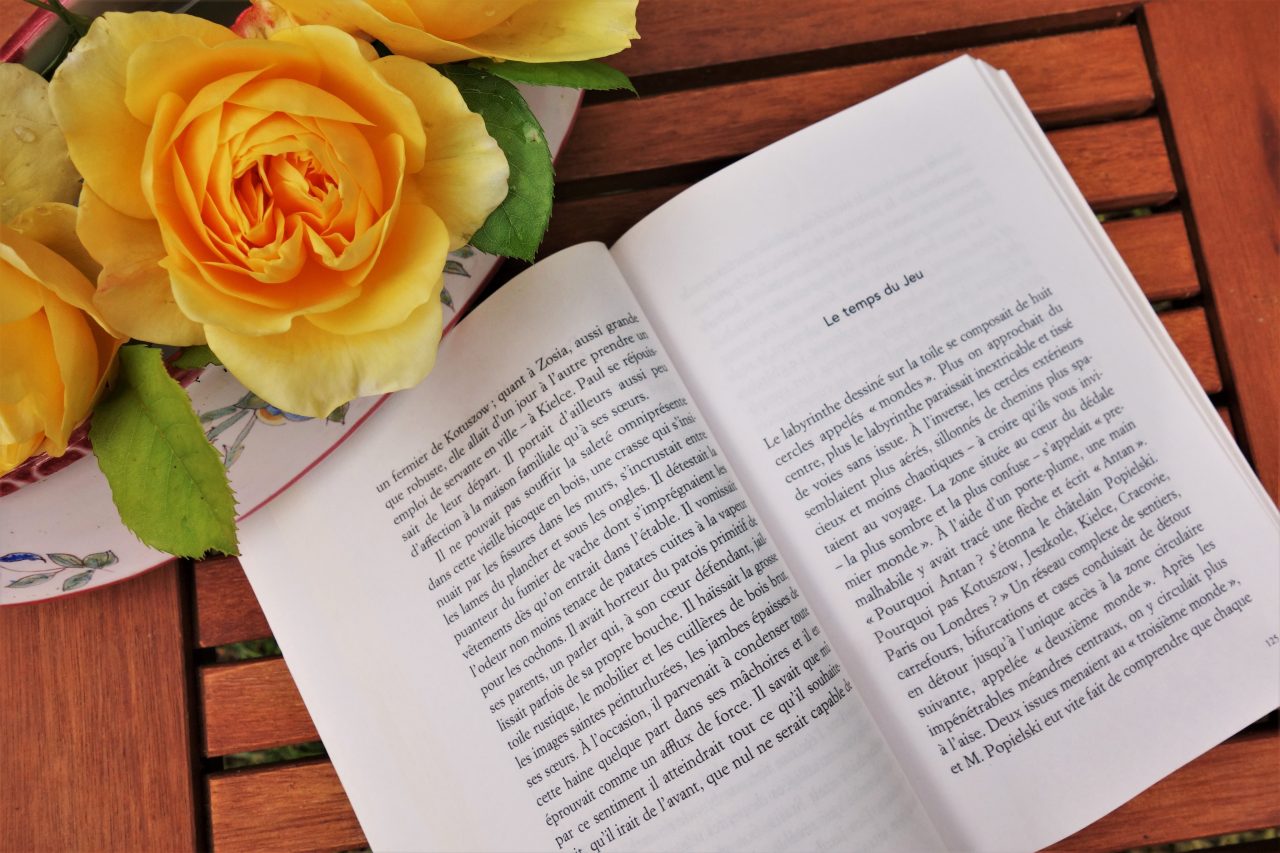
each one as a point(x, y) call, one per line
point(289, 201)
point(55, 348)
point(448, 30)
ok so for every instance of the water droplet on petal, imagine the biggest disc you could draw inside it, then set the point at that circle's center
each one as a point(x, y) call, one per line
point(26, 134)
point(490, 12)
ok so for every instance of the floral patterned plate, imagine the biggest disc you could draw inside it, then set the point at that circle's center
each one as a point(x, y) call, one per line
point(59, 532)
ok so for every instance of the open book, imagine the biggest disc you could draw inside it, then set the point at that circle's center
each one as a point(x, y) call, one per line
point(855, 499)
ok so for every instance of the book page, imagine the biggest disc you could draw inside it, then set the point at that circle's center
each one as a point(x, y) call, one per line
point(529, 608)
point(1033, 542)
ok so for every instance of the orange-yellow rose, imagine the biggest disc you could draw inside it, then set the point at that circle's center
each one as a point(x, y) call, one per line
point(289, 201)
point(55, 349)
point(449, 30)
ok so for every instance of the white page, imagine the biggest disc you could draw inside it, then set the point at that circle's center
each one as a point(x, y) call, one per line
point(771, 285)
point(562, 737)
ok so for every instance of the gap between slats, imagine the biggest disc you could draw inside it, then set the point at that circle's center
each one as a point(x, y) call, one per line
point(1065, 79)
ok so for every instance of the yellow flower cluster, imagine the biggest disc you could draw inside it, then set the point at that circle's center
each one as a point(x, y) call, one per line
point(289, 200)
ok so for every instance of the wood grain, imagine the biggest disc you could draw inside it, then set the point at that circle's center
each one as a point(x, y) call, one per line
point(1093, 75)
point(295, 806)
point(1118, 166)
point(94, 723)
point(1190, 331)
point(1229, 789)
point(226, 609)
point(1156, 250)
point(252, 705)
point(683, 34)
point(1218, 67)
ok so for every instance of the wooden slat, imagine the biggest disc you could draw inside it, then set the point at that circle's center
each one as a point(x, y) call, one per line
point(252, 705)
point(1118, 166)
point(681, 34)
point(1190, 331)
point(1157, 252)
point(95, 720)
point(1218, 65)
point(1230, 789)
point(1092, 75)
point(296, 806)
point(226, 609)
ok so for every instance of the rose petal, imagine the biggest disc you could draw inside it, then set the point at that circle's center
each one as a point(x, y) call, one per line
point(465, 174)
point(405, 277)
point(34, 164)
point(210, 292)
point(46, 267)
point(311, 372)
point(32, 390)
point(187, 66)
point(459, 21)
point(76, 355)
point(13, 455)
point(350, 77)
point(87, 94)
point(53, 225)
point(560, 31)
point(404, 38)
point(539, 31)
point(133, 292)
point(19, 293)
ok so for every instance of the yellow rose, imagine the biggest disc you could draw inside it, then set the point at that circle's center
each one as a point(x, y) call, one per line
point(286, 200)
point(55, 349)
point(449, 30)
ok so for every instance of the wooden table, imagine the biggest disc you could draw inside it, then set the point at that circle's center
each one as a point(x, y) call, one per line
point(114, 715)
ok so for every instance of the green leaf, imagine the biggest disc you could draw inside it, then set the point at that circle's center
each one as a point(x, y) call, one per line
point(100, 559)
point(195, 357)
point(515, 229)
point(166, 479)
point(29, 580)
point(587, 74)
point(67, 561)
point(456, 268)
point(77, 580)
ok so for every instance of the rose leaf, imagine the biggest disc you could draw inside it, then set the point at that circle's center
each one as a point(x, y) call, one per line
point(167, 481)
point(194, 357)
point(516, 227)
point(587, 74)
